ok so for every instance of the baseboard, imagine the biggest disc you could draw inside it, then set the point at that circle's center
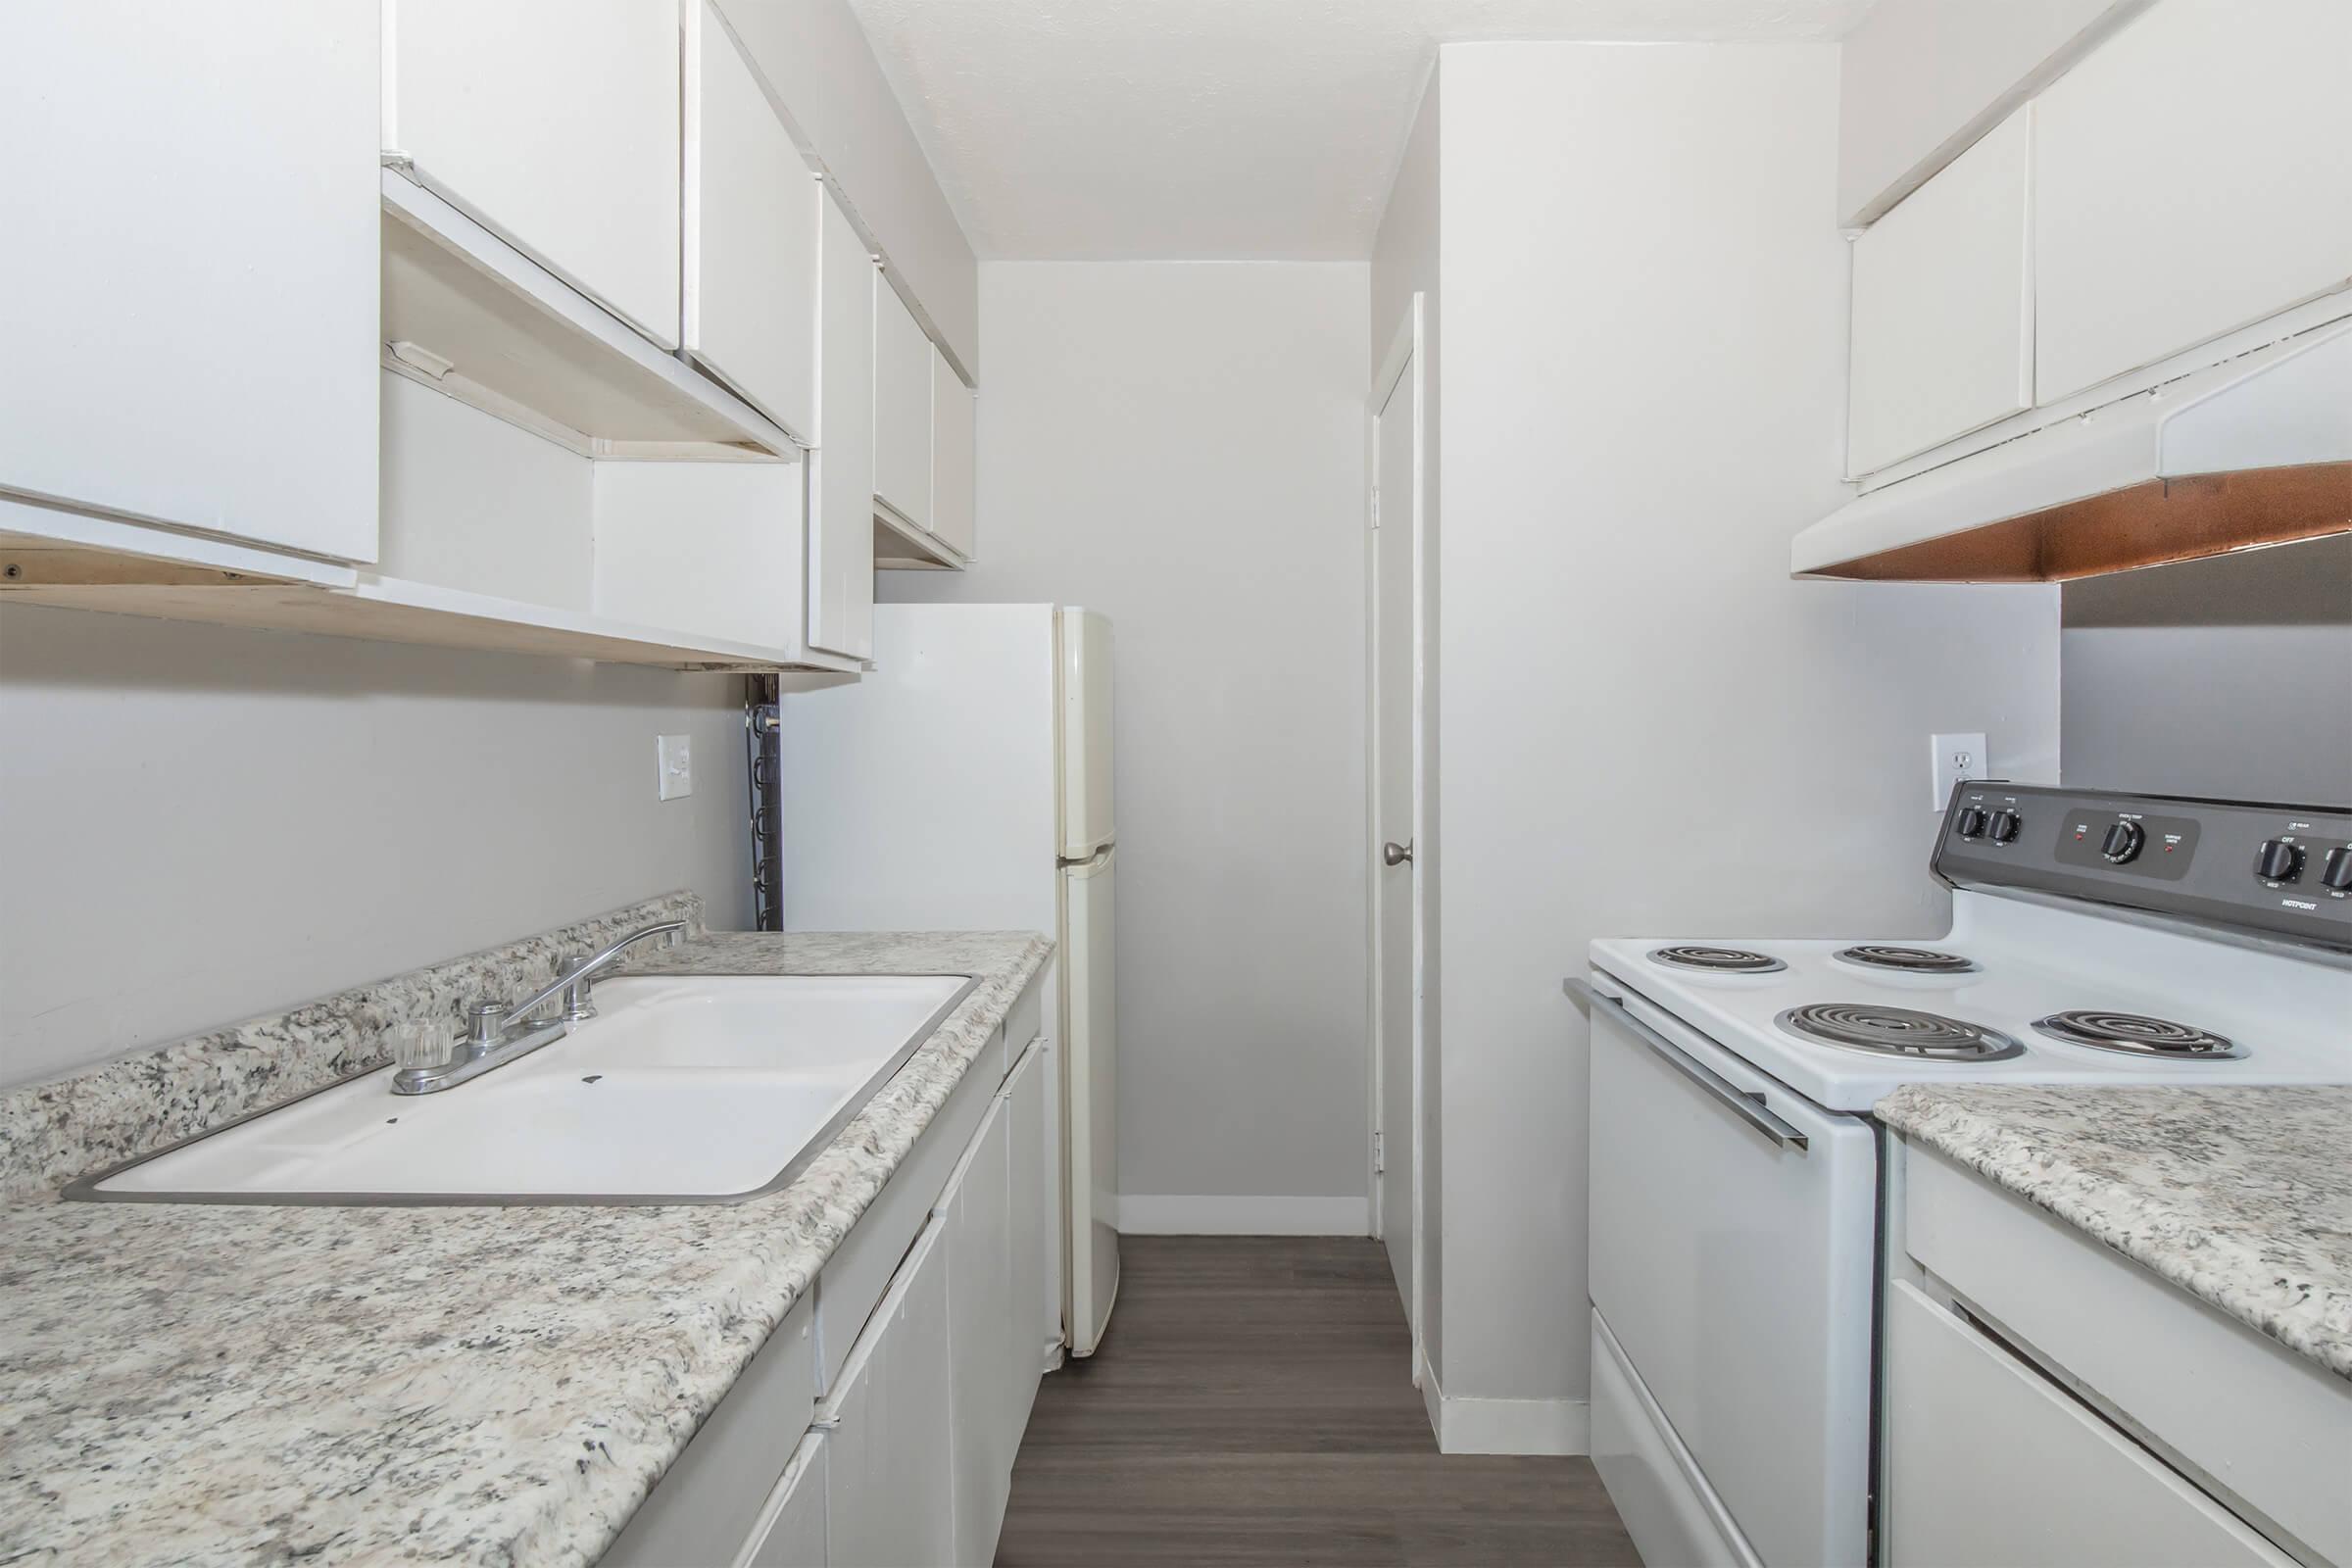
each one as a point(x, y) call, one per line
point(1176, 1214)
point(1467, 1425)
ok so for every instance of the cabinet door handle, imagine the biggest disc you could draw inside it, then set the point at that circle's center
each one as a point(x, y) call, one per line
point(1394, 853)
point(1747, 1104)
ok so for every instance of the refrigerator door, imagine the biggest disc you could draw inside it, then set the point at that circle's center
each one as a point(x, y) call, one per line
point(1086, 817)
point(1089, 1096)
point(921, 797)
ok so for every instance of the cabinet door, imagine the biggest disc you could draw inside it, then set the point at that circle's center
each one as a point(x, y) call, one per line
point(2191, 176)
point(791, 1532)
point(1036, 1222)
point(902, 408)
point(890, 1477)
point(1944, 314)
point(556, 124)
point(1987, 1462)
point(190, 266)
point(751, 233)
point(951, 455)
point(841, 470)
point(980, 1296)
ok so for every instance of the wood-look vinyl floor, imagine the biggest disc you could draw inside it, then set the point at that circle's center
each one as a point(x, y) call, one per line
point(1252, 1404)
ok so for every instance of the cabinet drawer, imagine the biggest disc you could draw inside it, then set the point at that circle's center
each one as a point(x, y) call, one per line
point(710, 1500)
point(2258, 1420)
point(1987, 1462)
point(860, 1270)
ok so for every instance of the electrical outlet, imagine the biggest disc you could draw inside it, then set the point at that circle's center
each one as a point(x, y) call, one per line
point(674, 756)
point(1956, 758)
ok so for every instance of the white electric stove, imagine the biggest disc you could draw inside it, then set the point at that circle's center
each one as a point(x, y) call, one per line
point(1737, 1170)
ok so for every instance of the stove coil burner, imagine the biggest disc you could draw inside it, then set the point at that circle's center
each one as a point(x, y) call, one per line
point(1721, 961)
point(2138, 1035)
point(1910, 960)
point(1898, 1032)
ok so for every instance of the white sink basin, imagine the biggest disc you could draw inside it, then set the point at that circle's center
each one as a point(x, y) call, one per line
point(692, 1089)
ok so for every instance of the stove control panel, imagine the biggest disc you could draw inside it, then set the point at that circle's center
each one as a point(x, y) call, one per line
point(2280, 870)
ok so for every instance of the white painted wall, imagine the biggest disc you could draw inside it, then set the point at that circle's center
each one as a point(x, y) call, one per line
point(203, 823)
point(1180, 445)
point(1646, 726)
point(818, 59)
point(1404, 262)
point(1920, 80)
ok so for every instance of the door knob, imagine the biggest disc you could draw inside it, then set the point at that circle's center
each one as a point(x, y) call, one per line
point(1395, 854)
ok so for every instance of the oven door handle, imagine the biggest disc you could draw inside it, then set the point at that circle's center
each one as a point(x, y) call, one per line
point(1743, 1103)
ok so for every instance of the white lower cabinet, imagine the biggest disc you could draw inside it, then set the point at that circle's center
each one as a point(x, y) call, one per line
point(890, 1478)
point(986, 1356)
point(1988, 1461)
point(927, 1363)
point(791, 1532)
point(1036, 1225)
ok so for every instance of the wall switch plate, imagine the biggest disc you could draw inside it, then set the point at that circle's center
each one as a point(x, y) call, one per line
point(674, 754)
point(1956, 758)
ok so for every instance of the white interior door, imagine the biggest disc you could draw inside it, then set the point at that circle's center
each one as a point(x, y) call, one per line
point(1394, 589)
point(1089, 1093)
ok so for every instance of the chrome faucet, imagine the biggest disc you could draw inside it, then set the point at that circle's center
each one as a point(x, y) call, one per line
point(497, 1033)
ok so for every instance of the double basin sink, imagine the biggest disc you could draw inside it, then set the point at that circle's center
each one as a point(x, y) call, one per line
point(682, 1090)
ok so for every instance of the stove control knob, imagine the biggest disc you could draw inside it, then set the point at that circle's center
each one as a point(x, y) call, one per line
point(2003, 826)
point(2278, 861)
point(1971, 822)
point(2337, 872)
point(2122, 844)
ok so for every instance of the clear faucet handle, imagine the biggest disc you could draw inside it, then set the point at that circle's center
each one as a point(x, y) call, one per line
point(413, 1045)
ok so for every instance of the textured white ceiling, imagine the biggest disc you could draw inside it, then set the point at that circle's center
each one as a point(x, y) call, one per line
point(1231, 129)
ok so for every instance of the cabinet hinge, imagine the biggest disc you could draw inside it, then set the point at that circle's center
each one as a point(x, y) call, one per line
point(1376, 508)
point(1379, 1155)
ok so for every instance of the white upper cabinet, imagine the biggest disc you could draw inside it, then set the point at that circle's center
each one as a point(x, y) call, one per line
point(2194, 174)
point(1943, 305)
point(191, 272)
point(951, 455)
point(556, 124)
point(752, 221)
point(841, 470)
point(902, 408)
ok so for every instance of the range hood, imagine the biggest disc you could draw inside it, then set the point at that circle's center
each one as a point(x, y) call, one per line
point(2254, 451)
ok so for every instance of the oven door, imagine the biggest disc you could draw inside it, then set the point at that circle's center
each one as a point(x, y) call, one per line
point(1732, 1232)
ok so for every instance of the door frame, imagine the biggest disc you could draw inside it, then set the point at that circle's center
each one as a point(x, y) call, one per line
point(1405, 357)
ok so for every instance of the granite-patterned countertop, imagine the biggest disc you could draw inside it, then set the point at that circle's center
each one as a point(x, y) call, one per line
point(2240, 1196)
point(195, 1383)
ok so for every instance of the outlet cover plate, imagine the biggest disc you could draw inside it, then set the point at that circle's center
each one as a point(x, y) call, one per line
point(1955, 759)
point(674, 755)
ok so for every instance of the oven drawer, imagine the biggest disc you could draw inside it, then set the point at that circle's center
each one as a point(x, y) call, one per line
point(1732, 1230)
point(1987, 1462)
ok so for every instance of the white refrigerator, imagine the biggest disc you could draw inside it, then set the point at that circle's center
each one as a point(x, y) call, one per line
point(964, 783)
